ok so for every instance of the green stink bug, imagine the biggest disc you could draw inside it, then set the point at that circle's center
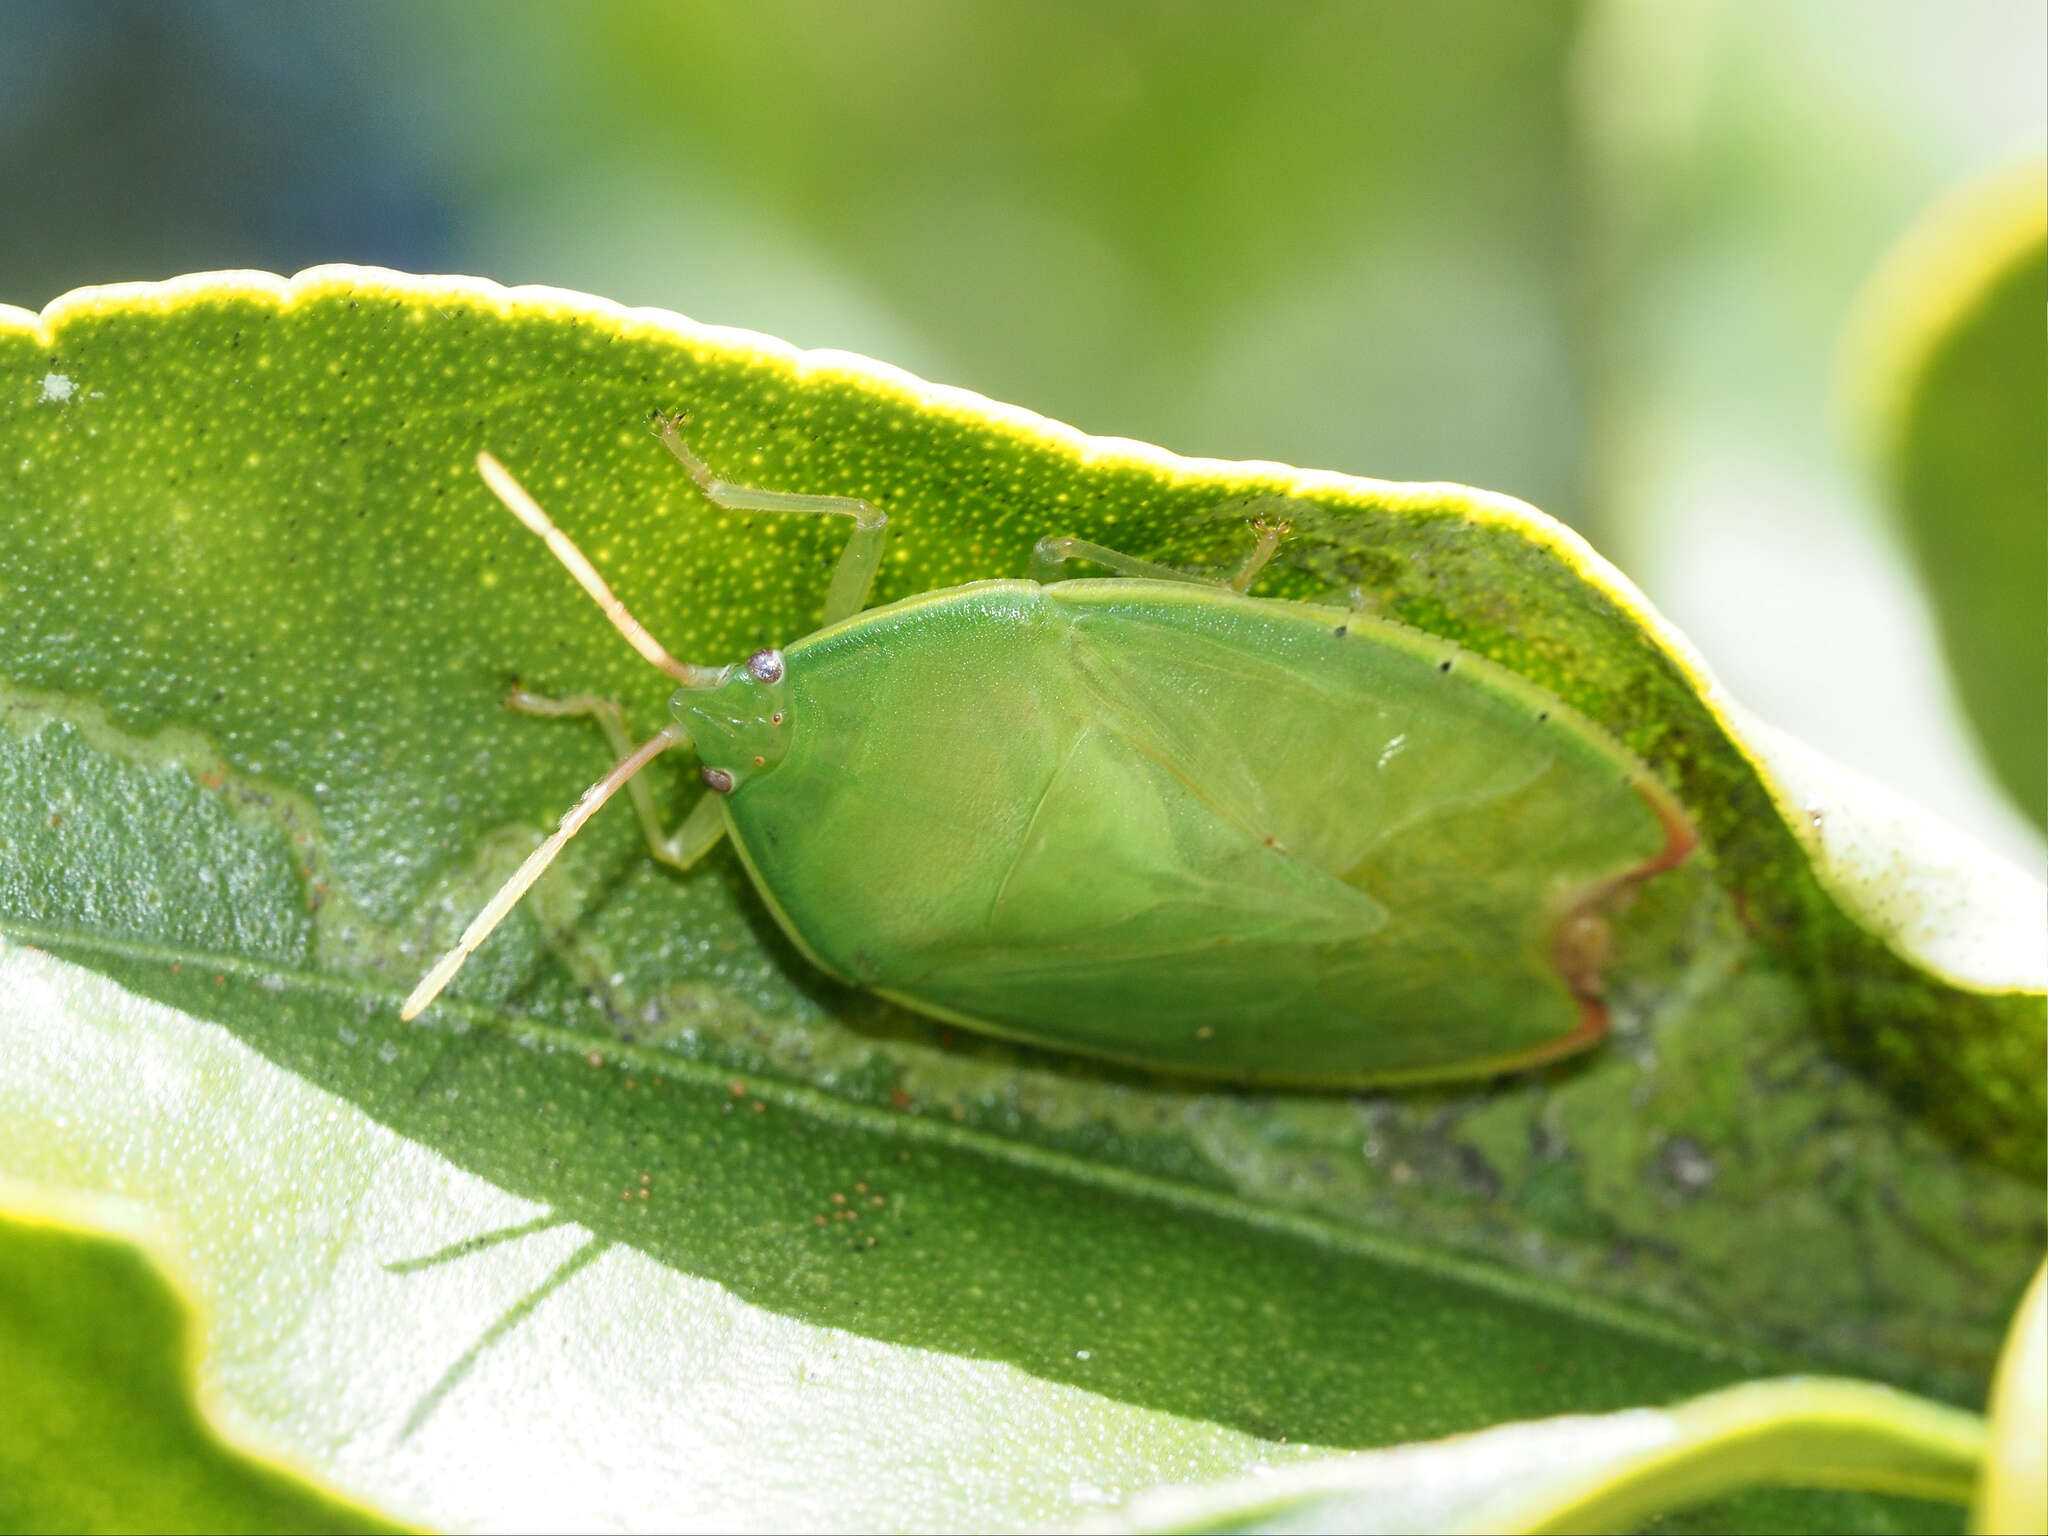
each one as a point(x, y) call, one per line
point(1148, 818)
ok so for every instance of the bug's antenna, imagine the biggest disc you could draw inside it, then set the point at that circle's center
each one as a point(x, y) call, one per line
point(536, 864)
point(528, 511)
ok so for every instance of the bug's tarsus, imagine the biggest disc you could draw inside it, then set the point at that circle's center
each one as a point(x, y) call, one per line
point(536, 864)
point(854, 574)
point(522, 506)
point(1270, 535)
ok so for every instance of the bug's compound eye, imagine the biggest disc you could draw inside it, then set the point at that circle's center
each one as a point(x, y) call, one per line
point(717, 780)
point(766, 666)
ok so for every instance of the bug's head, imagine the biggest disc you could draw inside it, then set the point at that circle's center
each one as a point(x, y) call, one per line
point(740, 724)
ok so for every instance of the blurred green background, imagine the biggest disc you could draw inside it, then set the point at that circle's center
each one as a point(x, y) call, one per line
point(1600, 256)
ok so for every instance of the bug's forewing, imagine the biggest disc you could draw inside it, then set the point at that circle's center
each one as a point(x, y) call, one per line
point(1194, 831)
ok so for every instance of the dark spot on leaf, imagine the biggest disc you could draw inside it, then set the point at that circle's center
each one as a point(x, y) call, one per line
point(1685, 1167)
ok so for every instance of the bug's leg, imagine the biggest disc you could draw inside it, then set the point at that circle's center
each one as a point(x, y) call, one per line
point(1050, 555)
point(536, 864)
point(700, 830)
point(855, 572)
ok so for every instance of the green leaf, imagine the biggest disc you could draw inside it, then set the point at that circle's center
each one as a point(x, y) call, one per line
point(587, 1245)
point(2013, 1494)
point(1609, 1473)
point(98, 1430)
point(1950, 344)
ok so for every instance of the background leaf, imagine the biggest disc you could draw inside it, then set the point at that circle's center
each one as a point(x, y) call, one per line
point(2013, 1494)
point(1613, 1472)
point(98, 1429)
point(1958, 372)
point(260, 617)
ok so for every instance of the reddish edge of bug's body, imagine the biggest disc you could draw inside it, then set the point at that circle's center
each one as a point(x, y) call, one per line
point(1583, 926)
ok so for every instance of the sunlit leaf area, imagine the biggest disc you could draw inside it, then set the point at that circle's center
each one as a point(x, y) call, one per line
point(1645, 399)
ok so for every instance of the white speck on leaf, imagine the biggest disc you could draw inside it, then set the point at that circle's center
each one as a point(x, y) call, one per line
point(57, 388)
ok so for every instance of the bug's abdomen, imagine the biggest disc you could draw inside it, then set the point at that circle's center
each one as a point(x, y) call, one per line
point(1200, 832)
